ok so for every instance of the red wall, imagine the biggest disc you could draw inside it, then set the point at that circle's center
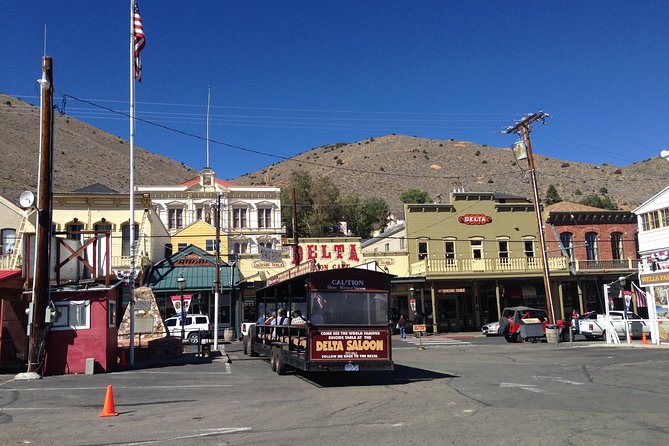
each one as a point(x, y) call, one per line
point(603, 231)
point(67, 350)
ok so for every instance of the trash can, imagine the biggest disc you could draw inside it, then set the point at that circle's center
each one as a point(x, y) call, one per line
point(229, 334)
point(552, 334)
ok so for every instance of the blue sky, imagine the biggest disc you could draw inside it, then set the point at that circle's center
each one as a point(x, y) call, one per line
point(287, 76)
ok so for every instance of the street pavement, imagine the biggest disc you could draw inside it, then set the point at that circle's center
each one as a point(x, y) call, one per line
point(461, 389)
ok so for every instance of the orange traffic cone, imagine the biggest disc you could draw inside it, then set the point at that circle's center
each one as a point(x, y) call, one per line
point(108, 410)
point(644, 339)
point(121, 361)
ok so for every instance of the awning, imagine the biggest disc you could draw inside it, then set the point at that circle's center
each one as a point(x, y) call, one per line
point(9, 273)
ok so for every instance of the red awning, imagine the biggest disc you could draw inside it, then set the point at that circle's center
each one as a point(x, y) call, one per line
point(9, 273)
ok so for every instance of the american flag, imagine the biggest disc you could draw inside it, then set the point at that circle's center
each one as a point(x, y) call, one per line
point(641, 300)
point(138, 31)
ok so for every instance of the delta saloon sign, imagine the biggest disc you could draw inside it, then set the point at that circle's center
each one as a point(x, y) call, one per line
point(329, 255)
point(475, 219)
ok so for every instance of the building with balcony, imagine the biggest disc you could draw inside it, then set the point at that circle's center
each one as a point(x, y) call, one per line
point(250, 216)
point(474, 256)
point(601, 246)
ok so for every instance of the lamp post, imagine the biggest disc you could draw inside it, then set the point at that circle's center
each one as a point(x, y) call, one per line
point(181, 284)
point(626, 300)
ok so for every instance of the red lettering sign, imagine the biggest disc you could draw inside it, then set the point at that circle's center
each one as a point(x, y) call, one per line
point(349, 345)
point(475, 219)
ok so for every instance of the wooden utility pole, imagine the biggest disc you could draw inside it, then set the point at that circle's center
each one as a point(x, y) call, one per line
point(523, 127)
point(296, 247)
point(217, 280)
point(41, 274)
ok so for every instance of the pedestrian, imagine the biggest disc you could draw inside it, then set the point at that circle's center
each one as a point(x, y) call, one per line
point(401, 324)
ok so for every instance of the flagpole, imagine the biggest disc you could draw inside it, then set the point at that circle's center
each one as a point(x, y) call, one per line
point(132, 184)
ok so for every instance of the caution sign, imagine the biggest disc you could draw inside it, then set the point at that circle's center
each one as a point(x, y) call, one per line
point(418, 327)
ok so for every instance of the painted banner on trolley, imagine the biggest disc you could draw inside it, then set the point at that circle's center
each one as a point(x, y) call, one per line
point(349, 344)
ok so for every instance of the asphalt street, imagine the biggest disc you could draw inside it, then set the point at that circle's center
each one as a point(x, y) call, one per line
point(460, 390)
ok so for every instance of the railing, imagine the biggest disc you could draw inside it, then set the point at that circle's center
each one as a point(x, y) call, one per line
point(6, 261)
point(492, 266)
point(607, 265)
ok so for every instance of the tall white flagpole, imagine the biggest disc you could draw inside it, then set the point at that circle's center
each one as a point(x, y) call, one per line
point(132, 183)
point(208, 103)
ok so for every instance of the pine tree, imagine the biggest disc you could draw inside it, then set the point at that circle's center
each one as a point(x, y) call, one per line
point(552, 195)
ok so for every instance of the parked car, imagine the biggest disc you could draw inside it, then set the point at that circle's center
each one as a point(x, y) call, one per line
point(490, 329)
point(523, 324)
point(195, 323)
point(593, 325)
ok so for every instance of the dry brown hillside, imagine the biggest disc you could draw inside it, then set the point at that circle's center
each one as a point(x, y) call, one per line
point(83, 155)
point(388, 165)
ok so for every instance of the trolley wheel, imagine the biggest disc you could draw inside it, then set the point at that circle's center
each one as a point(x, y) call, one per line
point(273, 359)
point(280, 364)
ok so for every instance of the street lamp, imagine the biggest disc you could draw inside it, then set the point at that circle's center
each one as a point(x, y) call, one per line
point(181, 284)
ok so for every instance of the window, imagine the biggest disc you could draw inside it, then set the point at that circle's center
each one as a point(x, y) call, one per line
point(477, 249)
point(210, 245)
point(72, 315)
point(265, 244)
point(386, 247)
point(503, 250)
point(111, 314)
point(402, 243)
point(664, 217)
point(182, 246)
point(617, 246)
point(175, 218)
point(74, 231)
point(264, 218)
point(567, 240)
point(103, 227)
point(240, 247)
point(422, 250)
point(449, 252)
point(591, 246)
point(239, 218)
point(168, 249)
point(199, 213)
point(125, 231)
point(528, 247)
point(8, 241)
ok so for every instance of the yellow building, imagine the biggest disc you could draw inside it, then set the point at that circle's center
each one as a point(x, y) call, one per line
point(202, 235)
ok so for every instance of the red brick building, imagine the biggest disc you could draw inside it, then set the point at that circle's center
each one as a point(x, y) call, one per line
point(602, 245)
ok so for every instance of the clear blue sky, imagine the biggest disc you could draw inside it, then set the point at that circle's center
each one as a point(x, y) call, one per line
point(287, 76)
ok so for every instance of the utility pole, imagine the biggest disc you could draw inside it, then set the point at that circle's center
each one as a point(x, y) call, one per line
point(41, 274)
point(296, 248)
point(523, 128)
point(217, 282)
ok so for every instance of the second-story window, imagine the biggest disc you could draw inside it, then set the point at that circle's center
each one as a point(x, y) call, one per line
point(503, 250)
point(422, 250)
point(74, 231)
point(239, 218)
point(567, 240)
point(591, 246)
point(125, 236)
point(210, 245)
point(8, 241)
point(199, 213)
point(264, 218)
point(477, 249)
point(617, 246)
point(449, 252)
point(175, 218)
point(528, 247)
point(402, 243)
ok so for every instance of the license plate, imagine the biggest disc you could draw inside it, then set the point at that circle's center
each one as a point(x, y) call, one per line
point(351, 368)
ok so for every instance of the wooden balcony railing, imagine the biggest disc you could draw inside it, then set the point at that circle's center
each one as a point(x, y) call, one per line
point(487, 266)
point(606, 265)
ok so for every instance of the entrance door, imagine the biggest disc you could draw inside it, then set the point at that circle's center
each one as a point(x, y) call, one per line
point(447, 314)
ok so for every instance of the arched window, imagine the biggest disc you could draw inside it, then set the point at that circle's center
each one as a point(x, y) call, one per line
point(617, 246)
point(567, 240)
point(74, 229)
point(591, 248)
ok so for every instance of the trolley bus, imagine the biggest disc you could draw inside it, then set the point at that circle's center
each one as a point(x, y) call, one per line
point(344, 326)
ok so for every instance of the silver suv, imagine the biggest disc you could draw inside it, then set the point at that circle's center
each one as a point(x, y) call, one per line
point(195, 323)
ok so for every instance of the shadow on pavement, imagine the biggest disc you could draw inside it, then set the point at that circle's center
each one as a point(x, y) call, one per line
point(401, 375)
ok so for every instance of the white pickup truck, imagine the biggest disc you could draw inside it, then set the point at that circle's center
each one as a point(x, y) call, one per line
point(593, 325)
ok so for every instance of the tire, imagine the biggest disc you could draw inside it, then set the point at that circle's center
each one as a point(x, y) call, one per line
point(511, 337)
point(193, 338)
point(273, 359)
point(280, 365)
point(564, 336)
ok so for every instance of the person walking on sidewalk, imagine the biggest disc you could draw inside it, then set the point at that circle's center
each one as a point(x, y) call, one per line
point(401, 324)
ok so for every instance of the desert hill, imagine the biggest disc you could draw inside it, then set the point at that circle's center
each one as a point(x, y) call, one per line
point(389, 165)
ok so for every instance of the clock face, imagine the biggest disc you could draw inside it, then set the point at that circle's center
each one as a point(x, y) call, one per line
point(27, 199)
